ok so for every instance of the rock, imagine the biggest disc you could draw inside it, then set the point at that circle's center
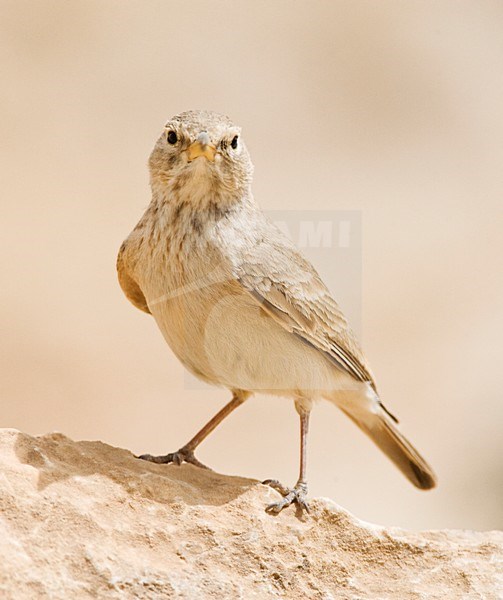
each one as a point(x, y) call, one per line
point(86, 520)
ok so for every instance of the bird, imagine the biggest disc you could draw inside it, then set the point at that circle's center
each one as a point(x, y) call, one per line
point(239, 305)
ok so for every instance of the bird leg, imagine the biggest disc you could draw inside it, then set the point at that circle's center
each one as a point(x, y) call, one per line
point(298, 493)
point(186, 453)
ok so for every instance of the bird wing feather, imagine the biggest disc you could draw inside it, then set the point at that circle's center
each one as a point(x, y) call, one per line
point(290, 290)
point(129, 286)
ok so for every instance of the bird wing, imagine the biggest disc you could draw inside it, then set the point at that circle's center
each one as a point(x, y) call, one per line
point(290, 290)
point(129, 286)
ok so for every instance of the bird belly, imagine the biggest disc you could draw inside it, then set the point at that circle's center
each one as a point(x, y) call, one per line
point(224, 337)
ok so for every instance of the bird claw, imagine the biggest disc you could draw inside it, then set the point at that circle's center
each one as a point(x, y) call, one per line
point(179, 457)
point(296, 495)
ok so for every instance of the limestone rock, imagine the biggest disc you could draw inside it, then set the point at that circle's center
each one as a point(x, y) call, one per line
point(86, 520)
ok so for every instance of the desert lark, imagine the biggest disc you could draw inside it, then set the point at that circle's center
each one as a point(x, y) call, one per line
point(236, 301)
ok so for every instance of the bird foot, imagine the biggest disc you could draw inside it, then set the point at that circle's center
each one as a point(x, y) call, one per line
point(296, 495)
point(183, 455)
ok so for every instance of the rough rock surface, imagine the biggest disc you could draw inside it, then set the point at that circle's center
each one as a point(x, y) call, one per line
point(86, 520)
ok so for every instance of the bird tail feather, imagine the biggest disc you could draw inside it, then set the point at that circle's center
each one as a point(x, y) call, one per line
point(381, 427)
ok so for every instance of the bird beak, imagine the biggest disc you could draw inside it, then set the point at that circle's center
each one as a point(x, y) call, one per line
point(202, 147)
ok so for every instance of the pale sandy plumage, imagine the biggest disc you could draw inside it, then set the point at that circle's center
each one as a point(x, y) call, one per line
point(236, 301)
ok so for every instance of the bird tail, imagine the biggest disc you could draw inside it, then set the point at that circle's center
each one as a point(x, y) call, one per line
point(382, 428)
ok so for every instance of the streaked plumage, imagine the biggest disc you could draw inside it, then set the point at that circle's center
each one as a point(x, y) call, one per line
point(234, 298)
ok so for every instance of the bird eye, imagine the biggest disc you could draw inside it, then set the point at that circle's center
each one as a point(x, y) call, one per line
point(172, 137)
point(234, 143)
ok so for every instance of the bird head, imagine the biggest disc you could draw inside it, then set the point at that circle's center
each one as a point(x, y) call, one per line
point(200, 156)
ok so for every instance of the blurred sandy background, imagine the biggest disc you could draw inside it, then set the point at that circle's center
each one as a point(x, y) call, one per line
point(394, 109)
